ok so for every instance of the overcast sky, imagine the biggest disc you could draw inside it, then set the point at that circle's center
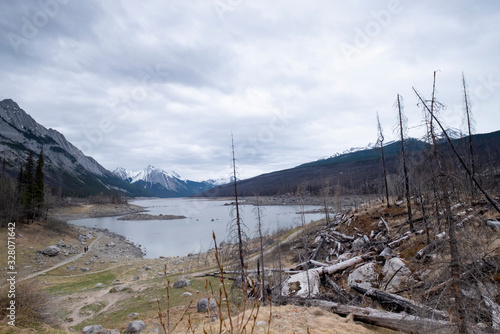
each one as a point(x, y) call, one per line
point(165, 83)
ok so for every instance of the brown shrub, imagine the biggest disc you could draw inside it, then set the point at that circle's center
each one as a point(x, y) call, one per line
point(31, 302)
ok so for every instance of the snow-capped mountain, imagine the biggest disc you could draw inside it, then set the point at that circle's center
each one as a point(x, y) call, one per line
point(164, 184)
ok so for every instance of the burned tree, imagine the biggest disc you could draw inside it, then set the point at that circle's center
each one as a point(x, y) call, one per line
point(402, 126)
point(380, 141)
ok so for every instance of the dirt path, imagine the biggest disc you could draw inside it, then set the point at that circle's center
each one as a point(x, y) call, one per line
point(100, 296)
point(60, 264)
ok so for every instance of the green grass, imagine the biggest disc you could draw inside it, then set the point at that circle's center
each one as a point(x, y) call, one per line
point(77, 284)
point(91, 309)
point(145, 302)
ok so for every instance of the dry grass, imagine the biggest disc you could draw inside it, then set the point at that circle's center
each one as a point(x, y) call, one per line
point(32, 305)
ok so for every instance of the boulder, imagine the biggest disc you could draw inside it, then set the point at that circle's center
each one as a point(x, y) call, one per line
point(99, 285)
point(120, 288)
point(305, 284)
point(85, 269)
point(135, 326)
point(358, 243)
point(395, 273)
point(91, 329)
point(202, 305)
point(71, 267)
point(108, 331)
point(182, 283)
point(186, 294)
point(51, 250)
point(364, 276)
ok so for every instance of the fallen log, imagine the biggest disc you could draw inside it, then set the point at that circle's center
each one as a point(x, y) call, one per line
point(385, 224)
point(343, 294)
point(306, 264)
point(316, 251)
point(495, 308)
point(429, 248)
point(398, 242)
point(398, 303)
point(342, 235)
point(343, 265)
point(493, 224)
point(396, 321)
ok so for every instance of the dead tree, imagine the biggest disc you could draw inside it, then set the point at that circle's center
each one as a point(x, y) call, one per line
point(402, 125)
point(454, 250)
point(469, 123)
point(380, 141)
point(261, 241)
point(238, 219)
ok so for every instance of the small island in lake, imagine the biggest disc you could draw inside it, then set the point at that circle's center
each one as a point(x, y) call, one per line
point(146, 216)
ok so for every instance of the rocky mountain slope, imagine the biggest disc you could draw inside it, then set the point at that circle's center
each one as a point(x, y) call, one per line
point(360, 171)
point(66, 167)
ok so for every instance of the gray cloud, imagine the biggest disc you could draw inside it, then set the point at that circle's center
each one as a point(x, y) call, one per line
point(167, 82)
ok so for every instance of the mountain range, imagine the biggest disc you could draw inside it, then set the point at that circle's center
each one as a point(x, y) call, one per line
point(359, 171)
point(72, 172)
point(160, 183)
point(75, 174)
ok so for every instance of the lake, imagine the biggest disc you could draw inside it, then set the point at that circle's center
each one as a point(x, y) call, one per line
point(194, 233)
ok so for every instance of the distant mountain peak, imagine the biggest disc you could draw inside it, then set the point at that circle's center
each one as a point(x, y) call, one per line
point(162, 183)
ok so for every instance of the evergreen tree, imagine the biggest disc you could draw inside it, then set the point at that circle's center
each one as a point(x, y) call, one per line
point(27, 183)
point(38, 186)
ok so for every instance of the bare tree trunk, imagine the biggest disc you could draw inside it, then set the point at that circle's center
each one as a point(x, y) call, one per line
point(454, 251)
point(381, 141)
point(469, 130)
point(259, 225)
point(238, 220)
point(405, 169)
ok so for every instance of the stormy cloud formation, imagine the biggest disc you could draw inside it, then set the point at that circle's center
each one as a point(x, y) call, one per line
point(133, 83)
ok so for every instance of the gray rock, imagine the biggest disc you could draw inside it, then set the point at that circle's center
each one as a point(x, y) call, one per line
point(358, 243)
point(186, 294)
point(120, 288)
point(51, 250)
point(364, 276)
point(304, 284)
point(136, 278)
point(147, 268)
point(396, 271)
point(386, 252)
point(182, 283)
point(71, 267)
point(108, 331)
point(91, 329)
point(85, 269)
point(134, 314)
point(135, 326)
point(202, 305)
point(100, 285)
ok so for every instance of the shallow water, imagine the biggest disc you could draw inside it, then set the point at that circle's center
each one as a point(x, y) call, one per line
point(194, 233)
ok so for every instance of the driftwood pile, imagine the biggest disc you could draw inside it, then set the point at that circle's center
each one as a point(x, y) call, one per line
point(353, 269)
point(345, 272)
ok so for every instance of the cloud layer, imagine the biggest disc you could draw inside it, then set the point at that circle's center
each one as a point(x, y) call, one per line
point(167, 82)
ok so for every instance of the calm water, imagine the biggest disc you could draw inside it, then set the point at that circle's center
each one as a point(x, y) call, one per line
point(194, 233)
